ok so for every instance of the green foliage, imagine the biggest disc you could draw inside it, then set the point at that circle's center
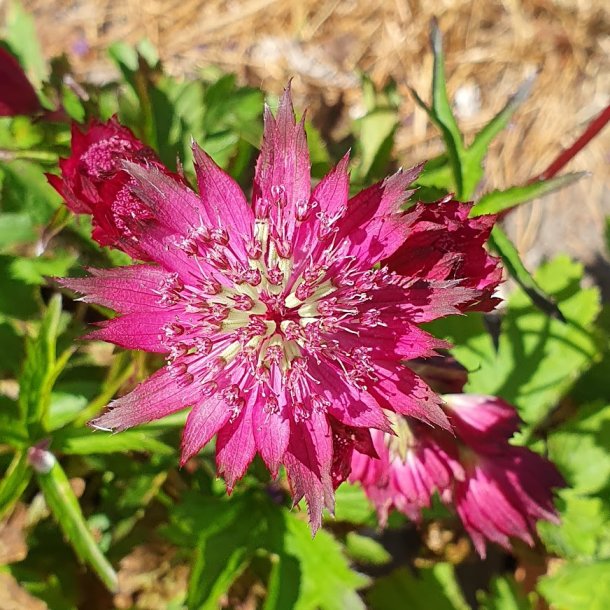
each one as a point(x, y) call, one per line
point(65, 508)
point(504, 594)
point(537, 358)
point(305, 572)
point(578, 587)
point(431, 588)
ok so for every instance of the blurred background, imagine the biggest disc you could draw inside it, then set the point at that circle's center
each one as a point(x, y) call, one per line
point(491, 47)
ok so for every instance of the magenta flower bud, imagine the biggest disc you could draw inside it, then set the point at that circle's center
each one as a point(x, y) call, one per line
point(17, 96)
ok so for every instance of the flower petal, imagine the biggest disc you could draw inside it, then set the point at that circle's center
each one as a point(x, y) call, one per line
point(235, 445)
point(308, 461)
point(124, 289)
point(203, 422)
point(283, 167)
point(158, 396)
point(222, 199)
point(138, 330)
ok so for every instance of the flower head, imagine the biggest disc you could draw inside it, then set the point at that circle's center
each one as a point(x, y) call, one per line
point(94, 182)
point(280, 329)
point(17, 96)
point(499, 490)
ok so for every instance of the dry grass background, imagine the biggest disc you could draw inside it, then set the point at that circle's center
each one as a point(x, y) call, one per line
point(491, 46)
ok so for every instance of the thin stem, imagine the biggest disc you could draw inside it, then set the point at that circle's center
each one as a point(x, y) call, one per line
point(566, 155)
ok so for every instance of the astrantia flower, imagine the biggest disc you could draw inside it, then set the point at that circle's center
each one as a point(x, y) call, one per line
point(17, 96)
point(280, 329)
point(444, 244)
point(499, 490)
point(93, 181)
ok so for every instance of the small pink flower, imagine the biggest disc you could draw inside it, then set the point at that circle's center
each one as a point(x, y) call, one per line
point(93, 181)
point(506, 489)
point(17, 96)
point(444, 244)
point(499, 490)
point(280, 329)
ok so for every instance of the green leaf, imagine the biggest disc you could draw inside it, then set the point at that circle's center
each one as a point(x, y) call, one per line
point(442, 114)
point(504, 594)
point(84, 441)
point(20, 34)
point(15, 228)
point(432, 588)
point(17, 299)
point(578, 587)
point(34, 271)
point(365, 550)
point(505, 249)
point(227, 543)
point(41, 369)
point(64, 506)
point(232, 532)
point(12, 352)
point(26, 190)
point(12, 430)
point(581, 449)
point(351, 504)
point(329, 584)
point(14, 482)
point(499, 201)
point(472, 159)
point(583, 530)
point(538, 358)
point(376, 130)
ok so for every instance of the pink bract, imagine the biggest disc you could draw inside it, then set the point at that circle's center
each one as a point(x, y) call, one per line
point(282, 328)
point(499, 490)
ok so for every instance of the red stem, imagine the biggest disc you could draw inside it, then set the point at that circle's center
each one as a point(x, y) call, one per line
point(566, 155)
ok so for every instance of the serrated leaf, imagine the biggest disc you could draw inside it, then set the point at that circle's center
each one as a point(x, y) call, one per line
point(581, 449)
point(432, 588)
point(225, 546)
point(64, 506)
point(583, 529)
point(538, 358)
point(329, 584)
point(504, 594)
point(232, 532)
point(500, 201)
point(578, 587)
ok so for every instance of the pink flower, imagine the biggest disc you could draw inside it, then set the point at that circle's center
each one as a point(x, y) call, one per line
point(280, 329)
point(17, 96)
point(444, 244)
point(499, 490)
point(93, 181)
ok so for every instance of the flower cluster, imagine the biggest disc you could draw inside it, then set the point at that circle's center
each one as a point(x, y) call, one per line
point(285, 322)
point(499, 490)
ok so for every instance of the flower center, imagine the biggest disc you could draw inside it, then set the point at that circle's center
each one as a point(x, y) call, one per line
point(256, 309)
